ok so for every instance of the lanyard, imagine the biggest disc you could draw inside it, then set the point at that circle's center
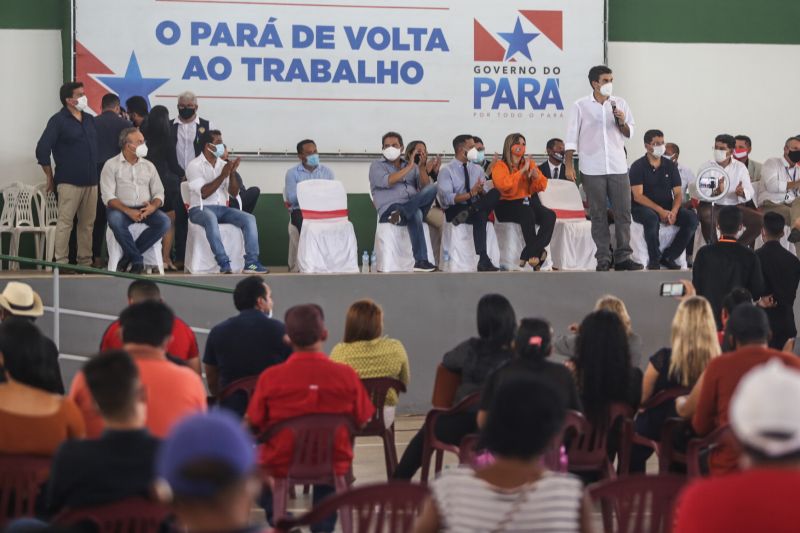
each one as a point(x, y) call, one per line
point(792, 176)
point(727, 240)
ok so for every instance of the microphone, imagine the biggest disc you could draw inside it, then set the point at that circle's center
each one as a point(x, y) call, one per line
point(613, 109)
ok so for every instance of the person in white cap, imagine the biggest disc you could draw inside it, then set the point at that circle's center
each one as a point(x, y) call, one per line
point(765, 419)
point(19, 301)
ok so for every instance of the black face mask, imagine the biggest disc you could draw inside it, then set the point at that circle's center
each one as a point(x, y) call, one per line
point(186, 112)
point(794, 156)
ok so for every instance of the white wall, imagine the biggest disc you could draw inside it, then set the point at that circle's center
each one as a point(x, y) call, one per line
point(32, 74)
point(692, 92)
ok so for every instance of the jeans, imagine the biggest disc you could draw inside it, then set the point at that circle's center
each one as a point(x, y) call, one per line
point(319, 493)
point(211, 216)
point(686, 221)
point(600, 189)
point(481, 208)
point(411, 214)
point(157, 225)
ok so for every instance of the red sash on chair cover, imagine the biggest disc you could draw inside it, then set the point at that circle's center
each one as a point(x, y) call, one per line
point(321, 215)
point(570, 213)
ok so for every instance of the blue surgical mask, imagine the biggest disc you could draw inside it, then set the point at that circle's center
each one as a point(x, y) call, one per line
point(481, 157)
point(312, 160)
point(219, 149)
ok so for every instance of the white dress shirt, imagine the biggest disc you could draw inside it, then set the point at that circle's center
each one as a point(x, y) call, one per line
point(592, 132)
point(553, 168)
point(187, 133)
point(199, 172)
point(133, 185)
point(737, 173)
point(776, 173)
point(687, 177)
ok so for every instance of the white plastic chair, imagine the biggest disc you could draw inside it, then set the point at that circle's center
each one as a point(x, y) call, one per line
point(511, 242)
point(152, 257)
point(457, 242)
point(572, 245)
point(8, 214)
point(294, 238)
point(199, 258)
point(48, 218)
point(328, 241)
point(26, 197)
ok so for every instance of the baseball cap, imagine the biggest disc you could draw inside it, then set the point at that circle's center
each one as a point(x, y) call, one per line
point(763, 412)
point(218, 437)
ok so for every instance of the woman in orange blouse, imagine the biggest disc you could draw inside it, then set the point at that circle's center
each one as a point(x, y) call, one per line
point(518, 179)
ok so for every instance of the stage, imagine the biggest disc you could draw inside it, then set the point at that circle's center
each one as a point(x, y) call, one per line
point(429, 313)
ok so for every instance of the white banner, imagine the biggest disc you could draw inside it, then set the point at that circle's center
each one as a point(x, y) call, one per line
point(269, 74)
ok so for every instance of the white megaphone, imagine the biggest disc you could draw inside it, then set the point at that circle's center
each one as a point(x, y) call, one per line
point(711, 185)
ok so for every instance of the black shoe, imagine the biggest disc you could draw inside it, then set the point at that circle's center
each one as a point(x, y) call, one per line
point(424, 266)
point(653, 266)
point(395, 217)
point(671, 264)
point(485, 265)
point(123, 264)
point(794, 236)
point(461, 217)
point(603, 266)
point(628, 264)
point(137, 268)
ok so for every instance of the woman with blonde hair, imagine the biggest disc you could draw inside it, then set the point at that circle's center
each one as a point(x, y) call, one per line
point(694, 343)
point(519, 180)
point(371, 354)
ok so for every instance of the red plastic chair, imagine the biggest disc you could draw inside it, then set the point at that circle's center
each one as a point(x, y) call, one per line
point(654, 401)
point(468, 449)
point(246, 385)
point(588, 452)
point(445, 386)
point(312, 457)
point(432, 445)
point(382, 508)
point(640, 504)
point(377, 388)
point(722, 436)
point(132, 515)
point(21, 478)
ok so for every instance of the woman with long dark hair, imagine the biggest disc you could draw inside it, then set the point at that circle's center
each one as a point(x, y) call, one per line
point(474, 359)
point(161, 152)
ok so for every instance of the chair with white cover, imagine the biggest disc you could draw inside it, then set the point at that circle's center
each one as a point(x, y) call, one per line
point(666, 234)
point(199, 258)
point(328, 241)
point(8, 214)
point(152, 257)
point(294, 238)
point(48, 218)
point(27, 198)
point(511, 242)
point(458, 243)
point(572, 245)
point(393, 247)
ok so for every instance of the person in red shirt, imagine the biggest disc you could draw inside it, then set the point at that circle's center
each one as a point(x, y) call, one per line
point(307, 383)
point(707, 405)
point(183, 344)
point(765, 419)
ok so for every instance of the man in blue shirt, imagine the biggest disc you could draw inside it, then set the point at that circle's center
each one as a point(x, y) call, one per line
point(463, 196)
point(71, 137)
point(657, 197)
point(403, 193)
point(309, 168)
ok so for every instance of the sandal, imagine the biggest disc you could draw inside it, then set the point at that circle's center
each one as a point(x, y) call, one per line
point(537, 262)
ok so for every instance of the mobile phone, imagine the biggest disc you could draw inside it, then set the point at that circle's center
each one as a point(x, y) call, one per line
point(417, 157)
point(672, 289)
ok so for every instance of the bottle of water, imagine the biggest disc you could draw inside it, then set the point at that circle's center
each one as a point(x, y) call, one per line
point(446, 261)
point(373, 262)
point(365, 262)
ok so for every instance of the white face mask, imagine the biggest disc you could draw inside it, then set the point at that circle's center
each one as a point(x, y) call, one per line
point(82, 103)
point(659, 150)
point(141, 151)
point(607, 89)
point(391, 153)
point(720, 155)
point(472, 154)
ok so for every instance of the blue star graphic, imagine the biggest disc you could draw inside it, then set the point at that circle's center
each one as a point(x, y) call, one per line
point(133, 84)
point(518, 41)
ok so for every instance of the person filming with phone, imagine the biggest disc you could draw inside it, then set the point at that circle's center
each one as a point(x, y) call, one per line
point(519, 180)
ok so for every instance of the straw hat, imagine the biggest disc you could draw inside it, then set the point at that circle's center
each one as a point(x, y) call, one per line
point(19, 299)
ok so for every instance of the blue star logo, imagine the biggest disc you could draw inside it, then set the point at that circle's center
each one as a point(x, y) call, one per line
point(518, 41)
point(132, 84)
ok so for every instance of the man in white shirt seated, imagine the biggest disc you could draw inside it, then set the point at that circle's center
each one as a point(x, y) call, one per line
point(739, 193)
point(209, 185)
point(132, 192)
point(781, 179)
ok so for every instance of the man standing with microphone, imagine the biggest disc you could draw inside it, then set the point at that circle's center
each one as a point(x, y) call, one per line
point(597, 126)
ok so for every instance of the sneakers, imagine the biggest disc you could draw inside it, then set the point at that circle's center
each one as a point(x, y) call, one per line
point(395, 217)
point(460, 218)
point(225, 269)
point(628, 264)
point(255, 268)
point(671, 264)
point(424, 266)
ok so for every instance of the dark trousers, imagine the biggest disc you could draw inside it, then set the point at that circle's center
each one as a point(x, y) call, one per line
point(318, 493)
point(249, 198)
point(99, 230)
point(686, 221)
point(481, 207)
point(296, 218)
point(753, 220)
point(181, 231)
point(449, 428)
point(528, 215)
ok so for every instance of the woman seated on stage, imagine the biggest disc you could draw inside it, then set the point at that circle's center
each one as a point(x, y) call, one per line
point(370, 353)
point(519, 179)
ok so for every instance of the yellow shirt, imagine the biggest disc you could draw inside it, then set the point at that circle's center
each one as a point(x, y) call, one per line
point(379, 358)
